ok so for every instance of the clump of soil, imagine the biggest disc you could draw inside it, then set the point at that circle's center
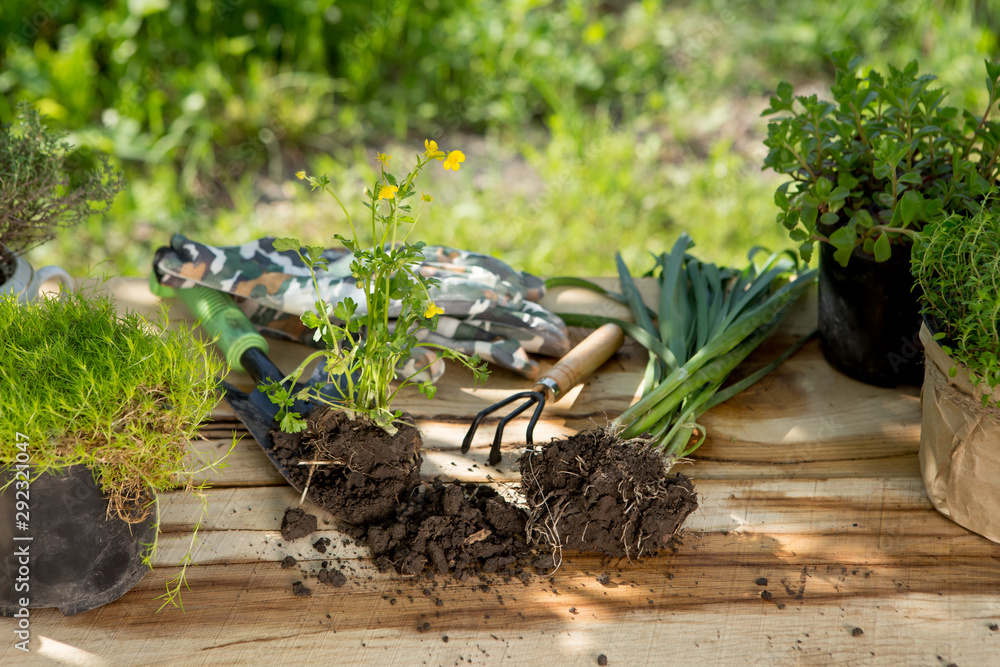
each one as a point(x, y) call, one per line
point(450, 528)
point(594, 492)
point(367, 472)
point(296, 523)
point(334, 578)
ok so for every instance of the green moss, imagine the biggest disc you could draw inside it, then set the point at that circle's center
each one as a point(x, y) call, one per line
point(114, 393)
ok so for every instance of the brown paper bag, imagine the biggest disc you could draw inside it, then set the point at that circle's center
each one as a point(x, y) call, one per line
point(959, 444)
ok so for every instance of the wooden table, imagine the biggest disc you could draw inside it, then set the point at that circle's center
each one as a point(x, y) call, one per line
point(808, 480)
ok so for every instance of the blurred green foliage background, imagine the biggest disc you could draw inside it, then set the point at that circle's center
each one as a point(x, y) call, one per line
point(589, 125)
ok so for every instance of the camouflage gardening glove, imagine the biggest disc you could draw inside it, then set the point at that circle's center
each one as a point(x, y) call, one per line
point(489, 308)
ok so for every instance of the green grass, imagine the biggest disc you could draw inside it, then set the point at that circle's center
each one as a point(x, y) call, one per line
point(589, 126)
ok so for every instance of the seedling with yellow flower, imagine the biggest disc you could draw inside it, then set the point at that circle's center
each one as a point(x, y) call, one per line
point(364, 346)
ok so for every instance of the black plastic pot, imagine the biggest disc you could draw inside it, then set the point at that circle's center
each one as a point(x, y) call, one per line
point(869, 318)
point(78, 557)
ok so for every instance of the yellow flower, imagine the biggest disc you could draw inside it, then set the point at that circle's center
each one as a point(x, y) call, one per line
point(426, 197)
point(383, 158)
point(300, 174)
point(454, 160)
point(432, 149)
point(433, 310)
point(387, 192)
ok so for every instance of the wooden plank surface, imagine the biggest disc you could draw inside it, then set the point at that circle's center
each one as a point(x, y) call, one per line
point(809, 480)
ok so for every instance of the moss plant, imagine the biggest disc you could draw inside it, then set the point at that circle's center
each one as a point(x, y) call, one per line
point(957, 265)
point(116, 393)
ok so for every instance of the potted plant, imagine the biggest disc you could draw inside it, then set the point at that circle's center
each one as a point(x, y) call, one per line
point(957, 268)
point(364, 456)
point(98, 410)
point(44, 187)
point(868, 172)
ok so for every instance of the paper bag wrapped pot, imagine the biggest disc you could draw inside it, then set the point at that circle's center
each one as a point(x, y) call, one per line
point(959, 444)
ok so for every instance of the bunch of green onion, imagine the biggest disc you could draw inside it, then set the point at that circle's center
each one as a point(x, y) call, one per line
point(710, 319)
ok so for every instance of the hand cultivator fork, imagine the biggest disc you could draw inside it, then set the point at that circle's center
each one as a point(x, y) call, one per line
point(578, 363)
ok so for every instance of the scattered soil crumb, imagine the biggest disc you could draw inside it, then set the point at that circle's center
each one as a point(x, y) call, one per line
point(321, 544)
point(445, 639)
point(857, 632)
point(300, 590)
point(296, 523)
point(334, 578)
point(767, 595)
point(994, 627)
point(288, 562)
point(762, 581)
point(602, 660)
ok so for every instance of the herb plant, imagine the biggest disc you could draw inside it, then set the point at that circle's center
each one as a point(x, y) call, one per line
point(364, 345)
point(957, 266)
point(118, 394)
point(881, 161)
point(709, 320)
point(41, 190)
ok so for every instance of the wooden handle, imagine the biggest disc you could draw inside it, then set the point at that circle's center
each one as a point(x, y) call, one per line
point(581, 361)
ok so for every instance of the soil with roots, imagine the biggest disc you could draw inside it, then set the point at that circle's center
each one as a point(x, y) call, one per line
point(590, 493)
point(594, 492)
point(362, 473)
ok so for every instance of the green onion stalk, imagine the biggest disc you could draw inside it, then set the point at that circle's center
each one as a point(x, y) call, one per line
point(709, 320)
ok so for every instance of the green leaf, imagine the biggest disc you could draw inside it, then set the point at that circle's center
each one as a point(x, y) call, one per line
point(806, 251)
point(315, 253)
point(844, 240)
point(284, 245)
point(808, 217)
point(882, 248)
point(344, 311)
point(292, 422)
point(829, 219)
point(910, 206)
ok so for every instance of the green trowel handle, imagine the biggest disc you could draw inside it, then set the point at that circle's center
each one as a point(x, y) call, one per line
point(220, 317)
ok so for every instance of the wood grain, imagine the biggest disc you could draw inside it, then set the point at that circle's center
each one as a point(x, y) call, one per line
point(808, 480)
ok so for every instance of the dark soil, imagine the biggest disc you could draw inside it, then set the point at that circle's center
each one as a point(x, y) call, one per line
point(8, 263)
point(296, 523)
point(369, 472)
point(334, 578)
point(451, 529)
point(594, 492)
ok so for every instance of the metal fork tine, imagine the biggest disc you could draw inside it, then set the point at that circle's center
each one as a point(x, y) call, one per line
point(467, 441)
point(533, 397)
point(582, 360)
